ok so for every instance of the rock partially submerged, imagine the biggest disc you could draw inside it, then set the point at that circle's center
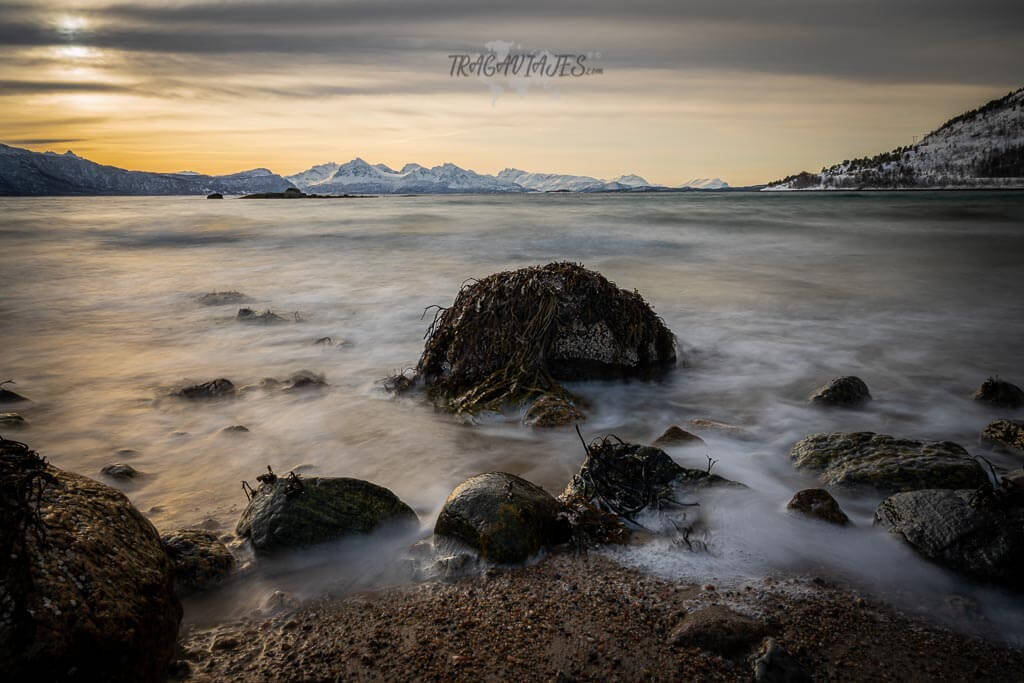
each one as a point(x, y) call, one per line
point(289, 512)
point(120, 471)
point(514, 335)
point(887, 463)
point(12, 421)
point(217, 388)
point(842, 392)
point(86, 589)
point(503, 517)
point(819, 504)
point(215, 195)
point(702, 424)
point(200, 561)
point(267, 317)
point(677, 436)
point(1005, 435)
point(999, 393)
point(223, 298)
point(8, 396)
point(978, 532)
point(552, 411)
point(304, 379)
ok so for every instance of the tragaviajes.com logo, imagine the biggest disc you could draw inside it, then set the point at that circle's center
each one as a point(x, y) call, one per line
point(506, 66)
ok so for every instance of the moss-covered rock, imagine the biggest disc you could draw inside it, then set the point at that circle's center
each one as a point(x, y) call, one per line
point(288, 512)
point(85, 584)
point(1005, 434)
point(552, 411)
point(887, 463)
point(975, 532)
point(842, 392)
point(514, 335)
point(503, 517)
point(200, 561)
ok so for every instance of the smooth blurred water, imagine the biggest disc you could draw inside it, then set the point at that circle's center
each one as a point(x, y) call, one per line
point(920, 294)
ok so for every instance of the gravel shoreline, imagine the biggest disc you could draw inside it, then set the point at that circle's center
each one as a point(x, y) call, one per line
point(586, 618)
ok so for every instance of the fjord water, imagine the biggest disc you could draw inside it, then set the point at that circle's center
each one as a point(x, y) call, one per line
point(920, 294)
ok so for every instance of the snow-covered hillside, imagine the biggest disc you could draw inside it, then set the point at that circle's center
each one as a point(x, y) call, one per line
point(359, 176)
point(982, 148)
point(23, 172)
point(706, 184)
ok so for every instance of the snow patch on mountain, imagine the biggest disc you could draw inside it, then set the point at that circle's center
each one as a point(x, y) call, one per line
point(706, 184)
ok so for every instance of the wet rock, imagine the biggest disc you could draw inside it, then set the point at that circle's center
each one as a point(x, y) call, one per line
point(701, 424)
point(85, 584)
point(304, 379)
point(127, 453)
point(1005, 435)
point(976, 532)
point(223, 298)
point(513, 333)
point(503, 517)
point(267, 317)
point(773, 664)
point(217, 388)
point(887, 463)
point(820, 504)
point(120, 471)
point(236, 429)
point(453, 567)
point(12, 421)
point(8, 396)
point(552, 411)
point(200, 561)
point(289, 512)
point(677, 436)
point(999, 393)
point(280, 601)
point(634, 476)
point(842, 392)
point(215, 195)
point(718, 629)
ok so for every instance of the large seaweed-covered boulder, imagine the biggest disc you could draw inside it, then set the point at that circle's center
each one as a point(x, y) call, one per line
point(887, 463)
point(86, 589)
point(515, 334)
point(977, 532)
point(1005, 435)
point(626, 478)
point(503, 517)
point(289, 512)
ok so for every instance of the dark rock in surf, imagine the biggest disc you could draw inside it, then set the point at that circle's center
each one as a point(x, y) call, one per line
point(304, 379)
point(887, 463)
point(718, 629)
point(289, 512)
point(626, 479)
point(267, 317)
point(677, 436)
point(514, 335)
point(842, 392)
point(120, 471)
point(503, 517)
point(215, 195)
point(1005, 435)
point(819, 504)
point(236, 429)
point(12, 421)
point(223, 298)
point(199, 560)
point(8, 396)
point(977, 532)
point(85, 584)
point(552, 411)
point(217, 388)
point(999, 393)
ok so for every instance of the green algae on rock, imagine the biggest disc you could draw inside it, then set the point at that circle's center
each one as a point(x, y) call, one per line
point(503, 517)
point(887, 463)
point(289, 512)
point(514, 335)
point(85, 585)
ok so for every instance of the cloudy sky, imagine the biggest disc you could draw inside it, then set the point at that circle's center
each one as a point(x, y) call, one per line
point(748, 91)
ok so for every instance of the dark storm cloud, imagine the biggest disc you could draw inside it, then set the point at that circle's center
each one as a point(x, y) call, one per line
point(938, 41)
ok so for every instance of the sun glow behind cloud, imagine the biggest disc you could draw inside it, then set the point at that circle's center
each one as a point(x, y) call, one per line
point(695, 90)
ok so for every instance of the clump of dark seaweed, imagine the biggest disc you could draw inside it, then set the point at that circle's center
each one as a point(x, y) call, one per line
point(24, 478)
point(513, 335)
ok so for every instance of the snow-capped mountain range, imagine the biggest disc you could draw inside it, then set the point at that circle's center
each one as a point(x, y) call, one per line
point(24, 172)
point(981, 148)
